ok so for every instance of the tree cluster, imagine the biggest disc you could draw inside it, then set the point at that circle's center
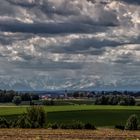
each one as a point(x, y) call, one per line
point(115, 100)
point(8, 96)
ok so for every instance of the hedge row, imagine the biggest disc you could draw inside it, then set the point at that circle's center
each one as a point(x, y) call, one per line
point(73, 125)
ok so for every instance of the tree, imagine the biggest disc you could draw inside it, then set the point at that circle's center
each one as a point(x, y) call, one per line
point(132, 123)
point(17, 100)
point(34, 96)
point(26, 97)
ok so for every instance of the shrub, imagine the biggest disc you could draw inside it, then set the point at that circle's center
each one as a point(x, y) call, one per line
point(132, 123)
point(48, 102)
point(139, 127)
point(4, 123)
point(36, 115)
point(16, 100)
point(138, 104)
point(22, 122)
point(76, 125)
point(32, 103)
point(72, 125)
point(54, 126)
point(122, 103)
point(64, 126)
point(121, 127)
point(89, 126)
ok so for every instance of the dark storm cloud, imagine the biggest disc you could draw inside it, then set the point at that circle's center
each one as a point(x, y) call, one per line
point(49, 66)
point(132, 1)
point(24, 3)
point(8, 39)
point(49, 28)
point(85, 46)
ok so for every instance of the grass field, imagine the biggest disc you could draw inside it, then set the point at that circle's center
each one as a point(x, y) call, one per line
point(98, 115)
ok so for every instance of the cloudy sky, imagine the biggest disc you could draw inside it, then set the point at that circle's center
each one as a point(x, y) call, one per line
point(69, 44)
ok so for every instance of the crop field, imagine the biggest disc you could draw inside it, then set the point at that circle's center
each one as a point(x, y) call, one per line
point(16, 110)
point(45, 134)
point(105, 116)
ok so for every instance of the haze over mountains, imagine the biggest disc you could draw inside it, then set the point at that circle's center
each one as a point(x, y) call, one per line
point(69, 44)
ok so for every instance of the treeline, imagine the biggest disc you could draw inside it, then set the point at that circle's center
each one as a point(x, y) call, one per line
point(93, 94)
point(115, 100)
point(8, 96)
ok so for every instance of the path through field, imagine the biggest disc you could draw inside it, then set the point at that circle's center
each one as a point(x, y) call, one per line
point(43, 134)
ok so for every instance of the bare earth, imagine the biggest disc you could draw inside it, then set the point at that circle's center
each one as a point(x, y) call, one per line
point(44, 134)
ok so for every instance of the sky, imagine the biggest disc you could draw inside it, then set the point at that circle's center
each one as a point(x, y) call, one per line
point(69, 44)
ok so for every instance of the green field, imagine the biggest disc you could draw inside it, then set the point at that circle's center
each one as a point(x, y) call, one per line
point(98, 115)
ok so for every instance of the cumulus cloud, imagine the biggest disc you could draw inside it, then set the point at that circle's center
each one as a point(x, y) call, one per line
point(69, 44)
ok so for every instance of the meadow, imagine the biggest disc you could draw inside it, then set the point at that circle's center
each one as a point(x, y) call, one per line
point(100, 116)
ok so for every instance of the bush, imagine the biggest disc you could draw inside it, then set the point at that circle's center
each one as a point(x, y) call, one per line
point(76, 125)
point(138, 104)
point(139, 127)
point(73, 125)
point(48, 102)
point(132, 123)
point(54, 126)
point(64, 126)
point(22, 122)
point(4, 123)
point(89, 126)
point(16, 100)
point(122, 103)
point(36, 116)
point(121, 127)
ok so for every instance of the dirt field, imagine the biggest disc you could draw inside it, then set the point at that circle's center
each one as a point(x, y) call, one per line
point(42, 134)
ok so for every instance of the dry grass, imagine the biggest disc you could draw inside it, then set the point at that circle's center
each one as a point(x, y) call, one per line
point(43, 134)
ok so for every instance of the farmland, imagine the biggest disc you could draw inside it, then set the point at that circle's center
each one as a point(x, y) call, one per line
point(105, 116)
point(45, 134)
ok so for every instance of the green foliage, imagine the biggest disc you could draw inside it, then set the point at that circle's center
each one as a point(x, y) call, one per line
point(89, 126)
point(48, 102)
point(26, 97)
point(16, 100)
point(76, 125)
point(132, 123)
point(34, 118)
point(4, 123)
point(22, 122)
point(121, 127)
point(64, 126)
point(115, 100)
point(8, 95)
point(53, 125)
point(122, 103)
point(72, 125)
point(36, 115)
point(34, 96)
point(97, 115)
